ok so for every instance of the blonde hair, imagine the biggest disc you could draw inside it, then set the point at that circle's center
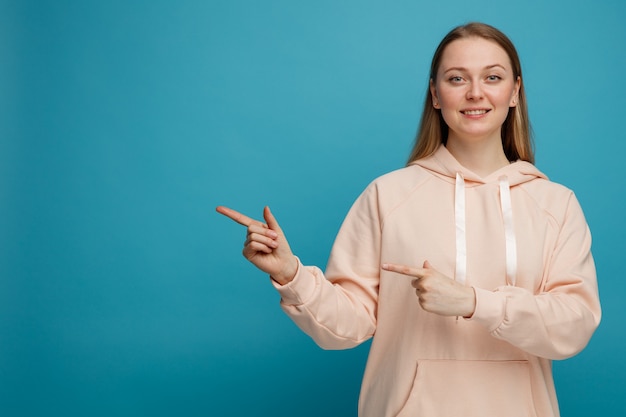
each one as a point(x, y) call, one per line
point(516, 131)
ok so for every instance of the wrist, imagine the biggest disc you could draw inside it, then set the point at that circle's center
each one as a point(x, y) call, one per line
point(471, 303)
point(288, 273)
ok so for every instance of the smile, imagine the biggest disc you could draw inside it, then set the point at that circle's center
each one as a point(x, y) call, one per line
point(474, 112)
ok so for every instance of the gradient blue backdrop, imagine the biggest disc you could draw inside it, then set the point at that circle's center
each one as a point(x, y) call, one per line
point(124, 123)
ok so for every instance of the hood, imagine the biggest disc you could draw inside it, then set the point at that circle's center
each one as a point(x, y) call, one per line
point(445, 166)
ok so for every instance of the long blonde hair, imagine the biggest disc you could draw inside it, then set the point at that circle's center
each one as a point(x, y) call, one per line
point(516, 132)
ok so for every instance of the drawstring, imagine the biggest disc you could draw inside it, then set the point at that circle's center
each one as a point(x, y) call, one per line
point(461, 231)
point(509, 230)
point(461, 242)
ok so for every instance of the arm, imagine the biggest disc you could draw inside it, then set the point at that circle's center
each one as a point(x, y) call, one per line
point(339, 310)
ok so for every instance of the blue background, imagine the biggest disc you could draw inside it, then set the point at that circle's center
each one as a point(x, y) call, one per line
point(124, 123)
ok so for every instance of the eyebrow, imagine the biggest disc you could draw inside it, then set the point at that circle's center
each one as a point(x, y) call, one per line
point(462, 69)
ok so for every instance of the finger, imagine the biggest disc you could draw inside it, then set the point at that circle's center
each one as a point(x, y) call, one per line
point(255, 237)
point(236, 216)
point(427, 265)
point(262, 229)
point(272, 223)
point(404, 270)
point(252, 248)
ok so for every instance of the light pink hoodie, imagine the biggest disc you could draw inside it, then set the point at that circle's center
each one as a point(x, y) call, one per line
point(520, 240)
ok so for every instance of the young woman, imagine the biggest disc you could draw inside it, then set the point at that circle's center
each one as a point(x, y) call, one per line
point(468, 267)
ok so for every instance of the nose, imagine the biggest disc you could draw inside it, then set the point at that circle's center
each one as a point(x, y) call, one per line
point(474, 91)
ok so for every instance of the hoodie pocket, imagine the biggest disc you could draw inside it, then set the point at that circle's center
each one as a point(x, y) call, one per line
point(453, 388)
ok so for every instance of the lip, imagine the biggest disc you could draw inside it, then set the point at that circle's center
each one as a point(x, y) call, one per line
point(475, 113)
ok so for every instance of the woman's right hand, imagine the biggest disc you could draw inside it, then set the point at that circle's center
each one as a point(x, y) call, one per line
point(266, 246)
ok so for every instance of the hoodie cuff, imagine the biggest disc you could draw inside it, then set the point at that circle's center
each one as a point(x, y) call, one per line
point(490, 308)
point(300, 289)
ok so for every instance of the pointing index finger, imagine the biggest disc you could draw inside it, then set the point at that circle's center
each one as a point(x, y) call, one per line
point(404, 270)
point(242, 219)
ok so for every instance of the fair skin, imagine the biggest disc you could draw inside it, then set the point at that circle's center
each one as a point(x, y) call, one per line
point(266, 246)
point(474, 90)
point(475, 87)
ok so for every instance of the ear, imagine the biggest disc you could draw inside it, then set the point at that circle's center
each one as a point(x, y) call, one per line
point(433, 94)
point(515, 96)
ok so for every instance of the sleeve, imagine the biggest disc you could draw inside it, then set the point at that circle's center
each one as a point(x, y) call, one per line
point(558, 322)
point(338, 310)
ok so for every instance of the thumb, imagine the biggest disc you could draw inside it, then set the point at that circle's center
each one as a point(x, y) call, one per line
point(271, 221)
point(427, 265)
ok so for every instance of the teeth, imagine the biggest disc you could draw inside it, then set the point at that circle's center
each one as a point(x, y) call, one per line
point(474, 112)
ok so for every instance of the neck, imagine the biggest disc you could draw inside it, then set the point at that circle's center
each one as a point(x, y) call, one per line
point(480, 157)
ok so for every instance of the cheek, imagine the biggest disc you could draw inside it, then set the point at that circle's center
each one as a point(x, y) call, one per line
point(501, 96)
point(449, 97)
point(449, 106)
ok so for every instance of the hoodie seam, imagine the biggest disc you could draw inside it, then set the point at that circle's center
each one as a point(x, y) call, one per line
point(558, 223)
point(403, 200)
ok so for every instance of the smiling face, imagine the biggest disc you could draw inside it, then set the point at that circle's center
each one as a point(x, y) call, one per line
point(474, 89)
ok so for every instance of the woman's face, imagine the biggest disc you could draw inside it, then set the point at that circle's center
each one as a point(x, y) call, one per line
point(475, 88)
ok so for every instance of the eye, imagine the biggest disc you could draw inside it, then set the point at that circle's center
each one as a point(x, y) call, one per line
point(456, 79)
point(493, 78)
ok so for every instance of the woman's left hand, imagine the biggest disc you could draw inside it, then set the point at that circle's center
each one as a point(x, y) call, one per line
point(436, 292)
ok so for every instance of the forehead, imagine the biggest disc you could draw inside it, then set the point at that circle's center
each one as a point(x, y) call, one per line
point(474, 53)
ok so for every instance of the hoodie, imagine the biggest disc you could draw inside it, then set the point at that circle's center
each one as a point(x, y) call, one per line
point(518, 239)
